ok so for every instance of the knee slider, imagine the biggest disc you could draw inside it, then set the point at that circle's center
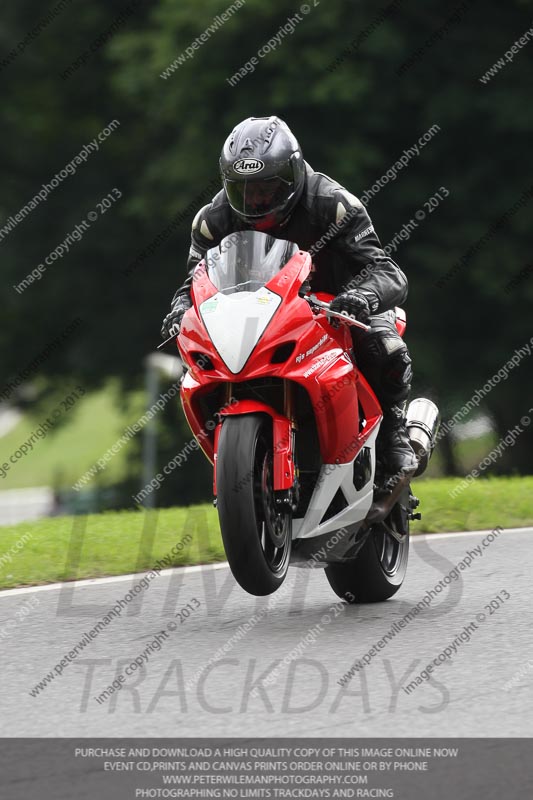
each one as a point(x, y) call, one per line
point(397, 375)
point(386, 364)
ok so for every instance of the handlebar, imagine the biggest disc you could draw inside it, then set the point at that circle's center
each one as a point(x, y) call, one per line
point(313, 301)
point(341, 315)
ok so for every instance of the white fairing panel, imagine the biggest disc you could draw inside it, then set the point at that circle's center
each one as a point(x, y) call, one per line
point(236, 322)
point(331, 478)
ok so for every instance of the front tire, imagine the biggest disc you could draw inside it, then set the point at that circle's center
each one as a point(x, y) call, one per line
point(379, 569)
point(257, 536)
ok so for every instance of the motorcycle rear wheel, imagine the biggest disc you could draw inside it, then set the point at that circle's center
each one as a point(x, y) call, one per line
point(379, 569)
point(257, 536)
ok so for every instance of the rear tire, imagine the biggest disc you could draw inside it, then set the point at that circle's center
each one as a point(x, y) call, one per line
point(257, 537)
point(379, 569)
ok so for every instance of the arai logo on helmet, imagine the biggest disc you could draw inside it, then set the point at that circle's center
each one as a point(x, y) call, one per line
point(247, 166)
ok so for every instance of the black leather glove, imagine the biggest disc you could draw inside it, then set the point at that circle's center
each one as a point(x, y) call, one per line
point(357, 304)
point(172, 322)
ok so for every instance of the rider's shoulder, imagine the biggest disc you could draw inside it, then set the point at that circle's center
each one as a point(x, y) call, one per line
point(327, 199)
point(213, 221)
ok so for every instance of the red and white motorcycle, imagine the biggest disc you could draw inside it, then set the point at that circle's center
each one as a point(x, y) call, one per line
point(274, 397)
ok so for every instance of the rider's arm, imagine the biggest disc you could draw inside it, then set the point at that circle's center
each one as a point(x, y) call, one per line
point(211, 224)
point(374, 272)
point(204, 235)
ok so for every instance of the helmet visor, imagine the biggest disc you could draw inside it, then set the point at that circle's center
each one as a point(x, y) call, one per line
point(251, 198)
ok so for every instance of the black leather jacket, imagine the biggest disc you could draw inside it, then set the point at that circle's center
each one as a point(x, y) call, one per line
point(330, 222)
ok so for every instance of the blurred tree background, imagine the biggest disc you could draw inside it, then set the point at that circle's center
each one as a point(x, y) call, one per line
point(336, 80)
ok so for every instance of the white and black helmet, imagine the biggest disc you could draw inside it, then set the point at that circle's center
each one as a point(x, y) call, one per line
point(262, 170)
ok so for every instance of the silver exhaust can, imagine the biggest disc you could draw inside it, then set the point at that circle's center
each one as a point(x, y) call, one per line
point(423, 420)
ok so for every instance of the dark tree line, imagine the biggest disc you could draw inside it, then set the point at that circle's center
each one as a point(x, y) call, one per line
point(338, 80)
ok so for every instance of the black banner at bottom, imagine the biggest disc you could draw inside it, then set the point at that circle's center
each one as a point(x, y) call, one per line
point(405, 769)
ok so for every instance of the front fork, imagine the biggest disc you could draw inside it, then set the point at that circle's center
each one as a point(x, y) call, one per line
point(283, 441)
point(288, 499)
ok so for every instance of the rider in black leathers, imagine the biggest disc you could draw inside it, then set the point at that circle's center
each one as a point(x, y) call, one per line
point(269, 187)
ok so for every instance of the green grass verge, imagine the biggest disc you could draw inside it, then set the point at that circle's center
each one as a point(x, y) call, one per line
point(115, 543)
point(87, 431)
point(484, 503)
point(99, 419)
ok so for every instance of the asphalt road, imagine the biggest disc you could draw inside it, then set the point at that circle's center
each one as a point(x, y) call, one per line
point(484, 689)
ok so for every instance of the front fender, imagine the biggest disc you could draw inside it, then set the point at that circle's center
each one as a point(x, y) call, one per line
point(283, 457)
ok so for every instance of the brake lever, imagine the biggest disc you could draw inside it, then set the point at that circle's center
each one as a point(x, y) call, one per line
point(340, 315)
point(167, 341)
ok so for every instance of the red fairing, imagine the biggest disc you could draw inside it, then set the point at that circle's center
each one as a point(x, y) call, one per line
point(203, 288)
point(319, 361)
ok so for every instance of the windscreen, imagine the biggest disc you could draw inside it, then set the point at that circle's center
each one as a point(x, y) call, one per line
point(244, 261)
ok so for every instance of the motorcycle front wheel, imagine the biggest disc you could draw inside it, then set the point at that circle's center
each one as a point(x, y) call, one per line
point(257, 536)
